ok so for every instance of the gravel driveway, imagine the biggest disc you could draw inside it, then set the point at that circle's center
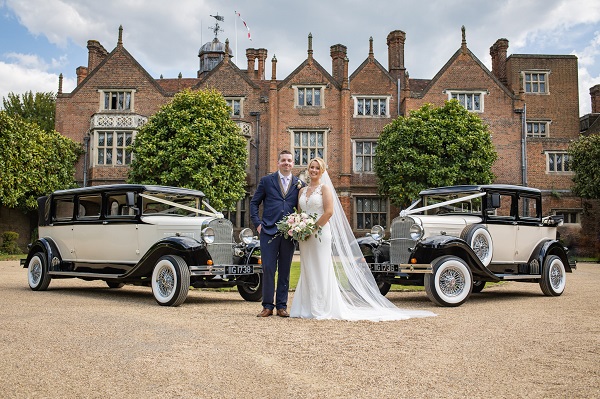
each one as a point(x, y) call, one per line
point(83, 340)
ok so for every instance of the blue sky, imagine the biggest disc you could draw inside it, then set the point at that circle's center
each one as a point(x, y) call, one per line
point(39, 39)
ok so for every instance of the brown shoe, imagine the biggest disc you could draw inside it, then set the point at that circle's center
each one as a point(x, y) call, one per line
point(266, 312)
point(282, 313)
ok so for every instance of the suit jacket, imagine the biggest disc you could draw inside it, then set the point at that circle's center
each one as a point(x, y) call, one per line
point(276, 203)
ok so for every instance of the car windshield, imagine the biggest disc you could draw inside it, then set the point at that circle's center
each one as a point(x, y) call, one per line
point(466, 205)
point(170, 204)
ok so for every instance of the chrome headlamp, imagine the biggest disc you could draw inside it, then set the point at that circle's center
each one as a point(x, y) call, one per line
point(246, 236)
point(416, 232)
point(208, 235)
point(377, 232)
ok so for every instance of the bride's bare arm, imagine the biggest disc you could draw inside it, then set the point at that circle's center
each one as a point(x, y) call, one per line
point(327, 206)
point(299, 195)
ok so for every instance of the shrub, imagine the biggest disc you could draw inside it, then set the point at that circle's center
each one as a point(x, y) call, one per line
point(9, 243)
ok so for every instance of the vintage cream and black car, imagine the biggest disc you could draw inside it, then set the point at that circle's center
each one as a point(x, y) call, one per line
point(164, 237)
point(455, 239)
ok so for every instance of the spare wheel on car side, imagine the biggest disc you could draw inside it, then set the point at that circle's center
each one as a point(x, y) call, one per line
point(479, 239)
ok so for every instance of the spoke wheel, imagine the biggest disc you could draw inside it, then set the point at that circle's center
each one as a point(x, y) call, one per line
point(37, 272)
point(479, 239)
point(451, 282)
point(170, 281)
point(554, 277)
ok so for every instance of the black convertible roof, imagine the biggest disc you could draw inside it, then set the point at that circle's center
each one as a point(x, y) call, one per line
point(506, 188)
point(130, 187)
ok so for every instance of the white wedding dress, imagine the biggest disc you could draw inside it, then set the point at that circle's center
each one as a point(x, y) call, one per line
point(326, 290)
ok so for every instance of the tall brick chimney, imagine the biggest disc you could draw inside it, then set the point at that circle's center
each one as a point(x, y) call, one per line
point(595, 95)
point(338, 54)
point(251, 57)
point(96, 54)
point(262, 58)
point(82, 73)
point(498, 52)
point(395, 42)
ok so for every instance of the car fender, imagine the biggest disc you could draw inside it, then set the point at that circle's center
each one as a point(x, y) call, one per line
point(190, 249)
point(551, 247)
point(431, 248)
point(50, 250)
point(374, 250)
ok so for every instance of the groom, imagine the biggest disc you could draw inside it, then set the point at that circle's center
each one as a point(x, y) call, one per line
point(278, 193)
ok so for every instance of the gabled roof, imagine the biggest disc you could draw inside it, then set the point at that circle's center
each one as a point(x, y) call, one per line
point(451, 61)
point(120, 50)
point(366, 62)
point(306, 62)
point(235, 68)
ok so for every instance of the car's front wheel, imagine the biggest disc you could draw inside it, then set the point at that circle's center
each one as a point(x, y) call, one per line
point(384, 287)
point(170, 280)
point(554, 277)
point(37, 272)
point(251, 287)
point(451, 282)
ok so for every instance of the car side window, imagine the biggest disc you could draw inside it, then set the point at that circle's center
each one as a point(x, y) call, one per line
point(90, 206)
point(63, 209)
point(529, 209)
point(505, 210)
point(117, 207)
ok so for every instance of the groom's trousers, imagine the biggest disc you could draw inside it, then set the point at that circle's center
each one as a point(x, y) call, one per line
point(277, 257)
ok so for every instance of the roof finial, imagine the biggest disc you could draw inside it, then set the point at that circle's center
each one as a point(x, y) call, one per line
point(310, 50)
point(464, 38)
point(120, 41)
point(60, 82)
point(371, 47)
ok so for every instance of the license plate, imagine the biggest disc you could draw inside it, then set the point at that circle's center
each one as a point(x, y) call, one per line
point(384, 267)
point(239, 269)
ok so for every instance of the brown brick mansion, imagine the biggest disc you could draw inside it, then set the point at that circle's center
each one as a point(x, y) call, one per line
point(530, 103)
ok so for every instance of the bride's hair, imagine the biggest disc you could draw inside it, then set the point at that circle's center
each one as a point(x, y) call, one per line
point(321, 164)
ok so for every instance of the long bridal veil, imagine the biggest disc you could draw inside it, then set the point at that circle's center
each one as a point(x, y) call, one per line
point(356, 283)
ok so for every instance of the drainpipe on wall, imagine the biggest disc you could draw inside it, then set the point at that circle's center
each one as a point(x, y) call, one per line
point(257, 145)
point(524, 145)
point(86, 144)
point(399, 87)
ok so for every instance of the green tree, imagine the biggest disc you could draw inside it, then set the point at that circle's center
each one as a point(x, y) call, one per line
point(192, 142)
point(39, 108)
point(433, 147)
point(33, 162)
point(585, 162)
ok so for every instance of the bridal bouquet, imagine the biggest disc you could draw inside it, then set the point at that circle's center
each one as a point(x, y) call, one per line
point(299, 226)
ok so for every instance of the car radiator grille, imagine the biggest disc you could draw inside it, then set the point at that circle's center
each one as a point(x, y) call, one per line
point(400, 240)
point(221, 250)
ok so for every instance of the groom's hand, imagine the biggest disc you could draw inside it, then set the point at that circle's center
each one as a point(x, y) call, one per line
point(259, 228)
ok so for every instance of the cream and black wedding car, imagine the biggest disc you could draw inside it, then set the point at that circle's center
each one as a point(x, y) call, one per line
point(164, 237)
point(455, 239)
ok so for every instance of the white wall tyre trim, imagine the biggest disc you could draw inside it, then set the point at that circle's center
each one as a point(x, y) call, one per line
point(479, 239)
point(451, 282)
point(170, 281)
point(37, 273)
point(554, 277)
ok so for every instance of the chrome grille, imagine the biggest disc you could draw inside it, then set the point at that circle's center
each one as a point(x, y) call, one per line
point(400, 240)
point(221, 250)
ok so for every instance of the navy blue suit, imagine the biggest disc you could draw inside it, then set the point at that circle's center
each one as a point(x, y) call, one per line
point(276, 252)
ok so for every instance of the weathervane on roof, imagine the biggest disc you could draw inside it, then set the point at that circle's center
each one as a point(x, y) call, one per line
point(216, 29)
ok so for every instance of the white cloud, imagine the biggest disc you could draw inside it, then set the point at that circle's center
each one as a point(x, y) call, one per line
point(18, 79)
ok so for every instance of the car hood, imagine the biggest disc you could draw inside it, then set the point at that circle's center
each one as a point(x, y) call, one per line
point(451, 225)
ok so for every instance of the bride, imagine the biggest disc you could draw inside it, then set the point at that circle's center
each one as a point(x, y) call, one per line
point(335, 282)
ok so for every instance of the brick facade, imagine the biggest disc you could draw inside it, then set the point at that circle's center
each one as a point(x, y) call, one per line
point(271, 112)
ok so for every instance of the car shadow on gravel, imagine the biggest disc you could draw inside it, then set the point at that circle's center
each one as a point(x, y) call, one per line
point(133, 294)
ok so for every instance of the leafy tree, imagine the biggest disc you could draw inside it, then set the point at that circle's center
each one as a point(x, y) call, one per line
point(585, 162)
point(433, 147)
point(192, 142)
point(39, 108)
point(33, 162)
